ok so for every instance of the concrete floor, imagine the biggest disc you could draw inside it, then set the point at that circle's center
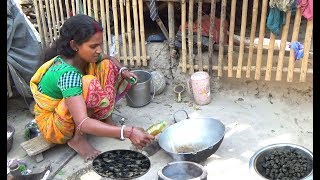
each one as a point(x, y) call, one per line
point(255, 113)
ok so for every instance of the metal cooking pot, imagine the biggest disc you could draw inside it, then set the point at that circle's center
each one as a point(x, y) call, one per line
point(192, 139)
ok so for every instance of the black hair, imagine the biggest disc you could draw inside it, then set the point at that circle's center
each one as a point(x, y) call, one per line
point(79, 28)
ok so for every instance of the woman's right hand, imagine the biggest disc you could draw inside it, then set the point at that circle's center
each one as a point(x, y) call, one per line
point(140, 137)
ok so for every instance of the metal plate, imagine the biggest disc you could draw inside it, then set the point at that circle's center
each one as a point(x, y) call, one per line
point(121, 164)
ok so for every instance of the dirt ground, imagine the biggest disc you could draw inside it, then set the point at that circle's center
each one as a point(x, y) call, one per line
point(255, 114)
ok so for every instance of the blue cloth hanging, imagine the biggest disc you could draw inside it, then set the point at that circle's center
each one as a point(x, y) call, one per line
point(276, 19)
point(298, 50)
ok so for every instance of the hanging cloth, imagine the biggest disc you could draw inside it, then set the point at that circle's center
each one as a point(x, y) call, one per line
point(306, 7)
point(276, 19)
point(298, 50)
point(282, 5)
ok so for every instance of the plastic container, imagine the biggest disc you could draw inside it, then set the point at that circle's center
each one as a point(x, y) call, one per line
point(200, 87)
point(157, 128)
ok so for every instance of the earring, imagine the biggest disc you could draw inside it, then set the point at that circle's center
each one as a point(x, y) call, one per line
point(76, 50)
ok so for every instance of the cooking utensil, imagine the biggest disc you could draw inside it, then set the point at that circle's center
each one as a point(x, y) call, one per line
point(121, 164)
point(178, 89)
point(193, 139)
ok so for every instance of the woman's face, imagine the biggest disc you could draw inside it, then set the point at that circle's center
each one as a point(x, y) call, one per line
point(90, 50)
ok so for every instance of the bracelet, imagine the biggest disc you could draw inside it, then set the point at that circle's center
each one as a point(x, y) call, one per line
point(131, 131)
point(122, 69)
point(122, 138)
point(79, 126)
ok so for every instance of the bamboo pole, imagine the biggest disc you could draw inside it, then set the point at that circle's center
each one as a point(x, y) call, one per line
point(73, 7)
point(36, 8)
point(221, 36)
point(199, 35)
point(85, 7)
point(77, 7)
point(95, 10)
point(44, 24)
point(49, 20)
point(54, 25)
point(57, 16)
point(61, 12)
point(252, 35)
point(261, 37)
point(242, 36)
point(135, 58)
point(103, 20)
point(142, 34)
point(307, 43)
point(67, 8)
point(284, 36)
point(136, 31)
point(183, 36)
point(231, 33)
point(295, 34)
point(270, 56)
point(123, 34)
point(116, 27)
point(108, 24)
point(89, 8)
point(190, 35)
point(212, 17)
point(171, 31)
point(129, 33)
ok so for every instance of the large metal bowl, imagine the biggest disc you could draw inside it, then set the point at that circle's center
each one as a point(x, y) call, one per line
point(257, 159)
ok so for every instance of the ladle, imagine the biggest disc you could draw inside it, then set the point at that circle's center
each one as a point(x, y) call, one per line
point(178, 89)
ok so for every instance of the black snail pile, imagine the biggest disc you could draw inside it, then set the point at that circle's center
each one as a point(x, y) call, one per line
point(286, 165)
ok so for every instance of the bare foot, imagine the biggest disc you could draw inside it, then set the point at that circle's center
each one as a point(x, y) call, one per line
point(80, 144)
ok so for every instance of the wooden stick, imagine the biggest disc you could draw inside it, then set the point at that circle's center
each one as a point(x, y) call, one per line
point(95, 10)
point(212, 17)
point(103, 20)
point(295, 34)
point(252, 35)
point(116, 27)
point(77, 7)
point(183, 36)
point(67, 8)
point(89, 8)
point(36, 8)
point(190, 36)
point(73, 7)
point(44, 24)
point(261, 37)
point(54, 25)
point(284, 37)
point(142, 34)
point(61, 12)
point(231, 33)
point(129, 33)
point(221, 36)
point(199, 35)
point(49, 20)
point(108, 24)
point(307, 43)
point(57, 16)
point(171, 31)
point(242, 36)
point(136, 31)
point(270, 56)
point(123, 34)
point(85, 7)
point(135, 58)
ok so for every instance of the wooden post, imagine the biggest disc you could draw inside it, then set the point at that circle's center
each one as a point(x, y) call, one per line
point(89, 8)
point(129, 32)
point(171, 30)
point(61, 12)
point(183, 36)
point(36, 8)
point(67, 8)
point(49, 20)
point(221, 38)
point(142, 34)
point(231, 33)
point(136, 31)
point(295, 34)
point(53, 19)
point(270, 56)
point(123, 34)
point(85, 7)
point(73, 7)
point(77, 7)
point(57, 16)
point(284, 36)
point(252, 36)
point(95, 10)
point(242, 36)
point(103, 20)
point(212, 17)
point(116, 27)
point(261, 37)
point(199, 35)
point(190, 35)
point(307, 43)
point(108, 24)
point(44, 24)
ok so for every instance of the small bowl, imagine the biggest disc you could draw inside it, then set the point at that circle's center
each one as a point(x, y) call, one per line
point(257, 159)
point(10, 139)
